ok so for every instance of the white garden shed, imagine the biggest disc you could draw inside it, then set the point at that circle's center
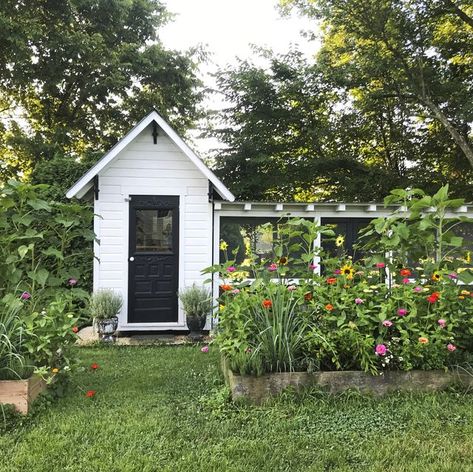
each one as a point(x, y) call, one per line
point(161, 213)
point(153, 205)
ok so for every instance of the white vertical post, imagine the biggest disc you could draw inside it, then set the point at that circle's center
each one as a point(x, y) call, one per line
point(216, 259)
point(317, 243)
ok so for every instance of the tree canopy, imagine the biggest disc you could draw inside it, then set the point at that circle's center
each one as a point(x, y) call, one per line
point(76, 74)
point(386, 102)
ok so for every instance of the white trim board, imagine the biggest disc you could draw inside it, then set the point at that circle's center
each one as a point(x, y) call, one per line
point(80, 188)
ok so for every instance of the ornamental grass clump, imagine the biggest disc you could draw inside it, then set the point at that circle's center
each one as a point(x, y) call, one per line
point(105, 304)
point(279, 329)
point(196, 301)
point(14, 363)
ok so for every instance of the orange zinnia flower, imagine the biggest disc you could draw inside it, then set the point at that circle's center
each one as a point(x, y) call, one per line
point(267, 303)
point(226, 287)
point(405, 272)
point(329, 307)
point(423, 340)
point(94, 366)
point(90, 393)
point(331, 280)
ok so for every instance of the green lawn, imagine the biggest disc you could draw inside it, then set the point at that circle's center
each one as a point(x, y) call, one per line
point(163, 408)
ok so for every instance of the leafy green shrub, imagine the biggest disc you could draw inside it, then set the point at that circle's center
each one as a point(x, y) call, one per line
point(50, 333)
point(45, 246)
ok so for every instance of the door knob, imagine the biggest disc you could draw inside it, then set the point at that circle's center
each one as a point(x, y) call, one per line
point(131, 259)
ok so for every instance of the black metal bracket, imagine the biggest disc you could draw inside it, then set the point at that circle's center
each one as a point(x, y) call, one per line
point(211, 192)
point(96, 187)
point(155, 132)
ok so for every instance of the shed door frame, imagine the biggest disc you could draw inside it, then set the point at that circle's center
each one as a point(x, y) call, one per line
point(153, 202)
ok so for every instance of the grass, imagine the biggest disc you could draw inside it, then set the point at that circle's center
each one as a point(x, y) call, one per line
point(165, 409)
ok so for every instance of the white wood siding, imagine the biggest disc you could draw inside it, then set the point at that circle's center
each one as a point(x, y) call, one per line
point(145, 168)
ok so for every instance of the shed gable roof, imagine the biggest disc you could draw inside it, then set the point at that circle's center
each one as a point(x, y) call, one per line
point(80, 188)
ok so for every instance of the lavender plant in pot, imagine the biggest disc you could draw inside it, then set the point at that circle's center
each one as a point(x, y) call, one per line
point(197, 304)
point(105, 306)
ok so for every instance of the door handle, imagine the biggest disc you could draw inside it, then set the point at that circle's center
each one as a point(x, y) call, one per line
point(131, 259)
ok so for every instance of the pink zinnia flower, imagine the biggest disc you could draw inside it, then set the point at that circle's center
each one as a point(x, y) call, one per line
point(204, 349)
point(387, 323)
point(231, 269)
point(405, 281)
point(25, 296)
point(380, 265)
point(72, 282)
point(359, 301)
point(417, 289)
point(313, 266)
point(442, 323)
point(272, 267)
point(291, 288)
point(235, 291)
point(337, 271)
point(453, 276)
point(380, 350)
point(451, 347)
point(402, 312)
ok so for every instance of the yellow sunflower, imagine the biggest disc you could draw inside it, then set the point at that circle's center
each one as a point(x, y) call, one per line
point(347, 271)
point(340, 240)
point(223, 246)
point(436, 276)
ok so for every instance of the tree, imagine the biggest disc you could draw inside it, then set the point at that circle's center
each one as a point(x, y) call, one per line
point(285, 138)
point(415, 51)
point(81, 72)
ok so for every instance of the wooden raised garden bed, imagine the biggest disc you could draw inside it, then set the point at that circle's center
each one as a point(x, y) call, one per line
point(21, 393)
point(258, 389)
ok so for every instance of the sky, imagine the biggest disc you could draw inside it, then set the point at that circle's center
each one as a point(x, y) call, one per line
point(227, 28)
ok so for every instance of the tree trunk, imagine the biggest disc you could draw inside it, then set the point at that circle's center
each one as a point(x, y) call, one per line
point(457, 137)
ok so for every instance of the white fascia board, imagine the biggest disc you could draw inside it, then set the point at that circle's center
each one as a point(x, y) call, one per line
point(222, 190)
point(83, 184)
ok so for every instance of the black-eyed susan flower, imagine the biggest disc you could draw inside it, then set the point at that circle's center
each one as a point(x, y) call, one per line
point(347, 271)
point(340, 240)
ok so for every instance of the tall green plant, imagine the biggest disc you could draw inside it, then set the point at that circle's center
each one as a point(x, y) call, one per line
point(421, 227)
point(45, 246)
point(13, 362)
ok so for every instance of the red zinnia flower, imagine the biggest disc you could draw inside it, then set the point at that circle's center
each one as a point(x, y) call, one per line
point(75, 329)
point(267, 303)
point(94, 366)
point(90, 393)
point(405, 272)
point(308, 296)
point(434, 297)
point(331, 280)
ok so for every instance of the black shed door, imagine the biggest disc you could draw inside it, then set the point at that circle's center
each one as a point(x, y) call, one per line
point(153, 266)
